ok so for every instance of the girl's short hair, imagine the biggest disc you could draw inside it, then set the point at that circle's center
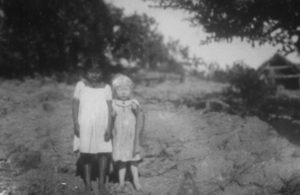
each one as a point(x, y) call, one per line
point(94, 64)
point(121, 80)
point(94, 69)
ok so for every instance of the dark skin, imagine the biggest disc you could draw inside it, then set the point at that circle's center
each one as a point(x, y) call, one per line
point(94, 80)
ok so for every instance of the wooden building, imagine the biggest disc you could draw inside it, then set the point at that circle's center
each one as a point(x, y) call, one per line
point(280, 71)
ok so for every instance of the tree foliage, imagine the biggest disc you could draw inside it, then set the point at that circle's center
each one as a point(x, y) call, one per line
point(54, 36)
point(136, 39)
point(275, 22)
point(46, 36)
point(246, 88)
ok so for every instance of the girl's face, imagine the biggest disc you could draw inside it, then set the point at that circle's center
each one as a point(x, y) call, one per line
point(123, 93)
point(94, 76)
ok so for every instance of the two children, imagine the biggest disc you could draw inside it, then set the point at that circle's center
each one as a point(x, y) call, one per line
point(104, 126)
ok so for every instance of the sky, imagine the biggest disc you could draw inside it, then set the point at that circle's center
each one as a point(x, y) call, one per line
point(173, 24)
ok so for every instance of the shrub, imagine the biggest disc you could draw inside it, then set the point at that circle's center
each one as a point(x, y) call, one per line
point(246, 89)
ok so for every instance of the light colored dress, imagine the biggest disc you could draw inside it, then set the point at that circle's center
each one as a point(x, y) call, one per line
point(93, 118)
point(124, 130)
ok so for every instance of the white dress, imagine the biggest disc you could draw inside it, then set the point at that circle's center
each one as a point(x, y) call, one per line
point(93, 118)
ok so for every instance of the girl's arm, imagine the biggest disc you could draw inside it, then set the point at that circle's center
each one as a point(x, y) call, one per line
point(139, 128)
point(75, 106)
point(108, 133)
point(75, 111)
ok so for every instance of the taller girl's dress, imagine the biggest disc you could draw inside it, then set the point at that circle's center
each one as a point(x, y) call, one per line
point(93, 122)
point(124, 130)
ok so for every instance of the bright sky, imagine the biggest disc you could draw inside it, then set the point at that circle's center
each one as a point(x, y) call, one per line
point(172, 24)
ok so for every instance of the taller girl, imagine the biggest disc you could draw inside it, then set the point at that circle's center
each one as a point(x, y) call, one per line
point(92, 124)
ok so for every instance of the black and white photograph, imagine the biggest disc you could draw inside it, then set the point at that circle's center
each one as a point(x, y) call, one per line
point(149, 97)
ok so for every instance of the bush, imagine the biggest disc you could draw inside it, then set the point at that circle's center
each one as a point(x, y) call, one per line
point(246, 89)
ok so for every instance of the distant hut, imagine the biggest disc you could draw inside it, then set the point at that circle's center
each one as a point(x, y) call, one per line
point(280, 71)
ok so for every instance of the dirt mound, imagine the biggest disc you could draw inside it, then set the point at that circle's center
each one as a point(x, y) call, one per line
point(227, 154)
point(185, 151)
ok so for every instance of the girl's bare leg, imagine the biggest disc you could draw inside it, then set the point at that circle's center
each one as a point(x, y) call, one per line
point(135, 174)
point(122, 173)
point(102, 171)
point(87, 177)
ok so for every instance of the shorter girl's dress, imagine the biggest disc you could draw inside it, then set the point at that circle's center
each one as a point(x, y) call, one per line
point(124, 130)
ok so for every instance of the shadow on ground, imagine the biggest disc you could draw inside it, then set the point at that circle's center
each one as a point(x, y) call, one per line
point(287, 129)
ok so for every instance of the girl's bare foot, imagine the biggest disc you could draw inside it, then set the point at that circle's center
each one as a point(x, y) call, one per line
point(135, 174)
point(137, 185)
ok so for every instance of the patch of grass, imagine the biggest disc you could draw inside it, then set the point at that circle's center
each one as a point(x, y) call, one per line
point(45, 182)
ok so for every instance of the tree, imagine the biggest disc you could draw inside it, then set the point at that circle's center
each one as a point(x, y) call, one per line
point(276, 22)
point(48, 36)
point(136, 39)
point(55, 36)
point(179, 51)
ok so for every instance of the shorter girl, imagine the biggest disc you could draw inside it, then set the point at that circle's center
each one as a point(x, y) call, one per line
point(128, 121)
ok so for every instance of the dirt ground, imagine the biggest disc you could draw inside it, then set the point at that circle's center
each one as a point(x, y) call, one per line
point(186, 151)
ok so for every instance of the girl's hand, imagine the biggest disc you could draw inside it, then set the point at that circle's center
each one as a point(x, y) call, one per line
point(134, 108)
point(76, 129)
point(107, 136)
point(137, 150)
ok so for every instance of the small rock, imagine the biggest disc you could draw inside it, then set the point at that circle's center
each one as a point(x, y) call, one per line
point(64, 169)
point(296, 154)
point(2, 155)
point(48, 107)
point(153, 149)
point(188, 186)
point(26, 160)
